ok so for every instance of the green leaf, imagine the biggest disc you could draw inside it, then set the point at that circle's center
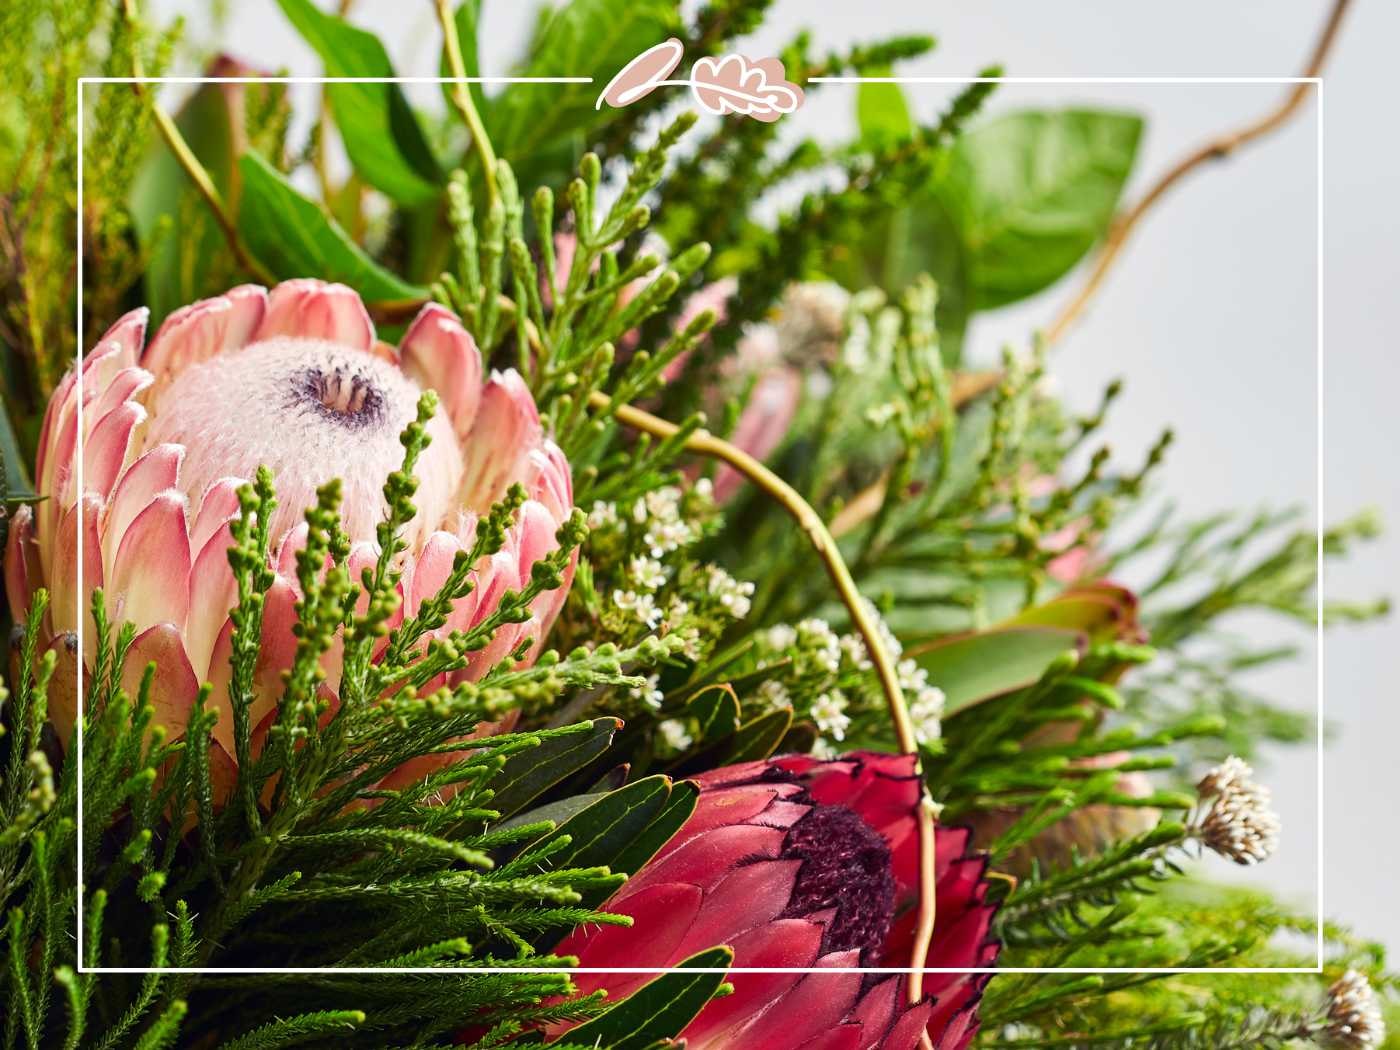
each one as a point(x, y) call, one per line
point(528, 774)
point(661, 1008)
point(181, 239)
point(991, 663)
point(593, 38)
point(15, 485)
point(382, 135)
point(294, 238)
point(1031, 192)
point(679, 807)
point(604, 830)
point(759, 738)
point(882, 112)
point(716, 709)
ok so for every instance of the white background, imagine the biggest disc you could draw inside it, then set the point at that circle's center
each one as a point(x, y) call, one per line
point(1210, 316)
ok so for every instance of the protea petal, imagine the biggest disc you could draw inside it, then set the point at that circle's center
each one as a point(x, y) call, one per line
point(22, 569)
point(817, 1003)
point(312, 309)
point(213, 592)
point(506, 429)
point(441, 355)
point(196, 332)
point(218, 504)
point(173, 687)
point(71, 588)
point(108, 447)
point(63, 686)
point(149, 475)
point(150, 577)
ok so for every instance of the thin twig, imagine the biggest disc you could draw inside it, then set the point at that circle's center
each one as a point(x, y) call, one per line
point(1216, 149)
point(462, 96)
point(191, 165)
point(706, 444)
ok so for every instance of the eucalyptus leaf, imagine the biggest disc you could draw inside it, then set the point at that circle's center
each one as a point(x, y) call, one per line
point(882, 111)
point(382, 135)
point(1031, 192)
point(661, 1008)
point(294, 238)
point(991, 663)
point(604, 829)
point(529, 774)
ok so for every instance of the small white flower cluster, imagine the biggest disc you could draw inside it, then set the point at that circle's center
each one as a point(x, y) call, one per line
point(818, 645)
point(660, 512)
point(1354, 1020)
point(774, 694)
point(641, 604)
point(603, 515)
point(648, 573)
point(649, 694)
point(1240, 823)
point(734, 595)
point(925, 701)
point(675, 734)
point(829, 713)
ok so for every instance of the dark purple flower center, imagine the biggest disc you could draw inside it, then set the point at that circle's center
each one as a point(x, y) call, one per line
point(343, 395)
point(846, 866)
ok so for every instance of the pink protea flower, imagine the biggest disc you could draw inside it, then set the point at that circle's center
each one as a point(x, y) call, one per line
point(296, 380)
point(796, 862)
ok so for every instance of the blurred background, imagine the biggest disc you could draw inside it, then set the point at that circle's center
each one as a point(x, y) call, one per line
point(1211, 316)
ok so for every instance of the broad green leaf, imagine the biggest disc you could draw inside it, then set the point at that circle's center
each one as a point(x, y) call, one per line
point(15, 485)
point(382, 135)
point(528, 774)
point(882, 112)
point(759, 738)
point(602, 831)
point(716, 708)
point(679, 807)
point(173, 226)
point(661, 1008)
point(294, 238)
point(1031, 192)
point(991, 663)
point(593, 38)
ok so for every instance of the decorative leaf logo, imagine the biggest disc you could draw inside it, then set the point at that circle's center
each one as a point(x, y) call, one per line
point(738, 84)
point(643, 75)
point(755, 88)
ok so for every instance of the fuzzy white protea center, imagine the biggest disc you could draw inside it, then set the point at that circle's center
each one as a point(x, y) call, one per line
point(308, 409)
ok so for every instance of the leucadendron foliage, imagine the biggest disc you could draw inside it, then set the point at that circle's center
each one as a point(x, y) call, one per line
point(809, 300)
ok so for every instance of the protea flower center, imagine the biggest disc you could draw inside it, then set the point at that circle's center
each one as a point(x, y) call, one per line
point(845, 866)
point(306, 408)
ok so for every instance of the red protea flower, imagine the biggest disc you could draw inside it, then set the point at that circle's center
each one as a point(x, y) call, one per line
point(796, 862)
point(295, 380)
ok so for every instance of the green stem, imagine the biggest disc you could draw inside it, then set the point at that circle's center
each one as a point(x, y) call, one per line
point(462, 96)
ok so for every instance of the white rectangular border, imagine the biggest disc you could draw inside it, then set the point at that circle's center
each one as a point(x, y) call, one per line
point(1316, 81)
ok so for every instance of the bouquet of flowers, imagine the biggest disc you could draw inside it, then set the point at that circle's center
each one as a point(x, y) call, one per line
point(521, 586)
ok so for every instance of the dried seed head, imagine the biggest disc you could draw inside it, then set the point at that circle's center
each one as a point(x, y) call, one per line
point(1239, 822)
point(1353, 1015)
